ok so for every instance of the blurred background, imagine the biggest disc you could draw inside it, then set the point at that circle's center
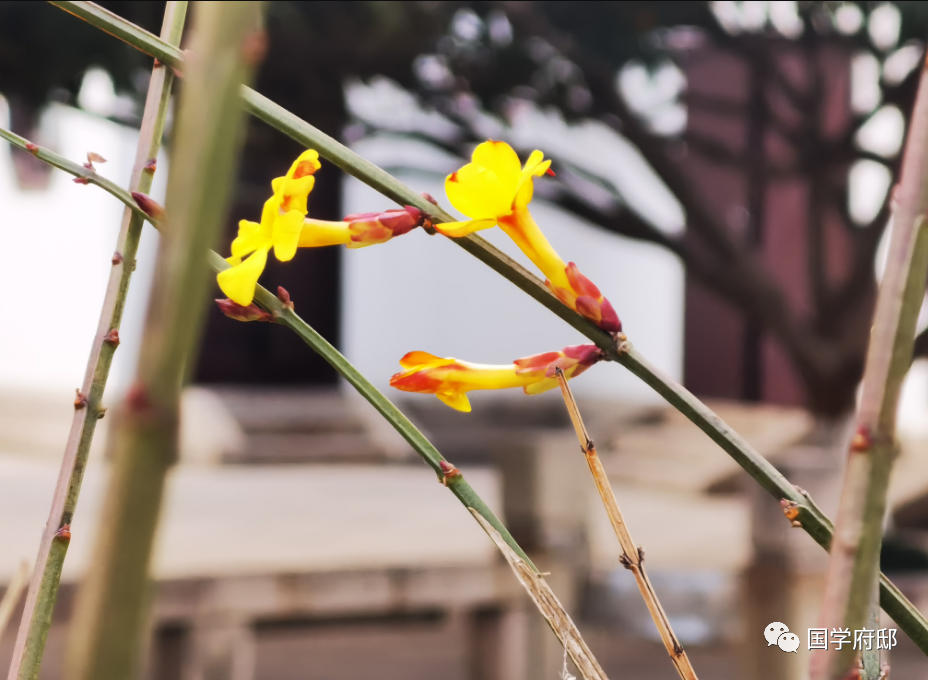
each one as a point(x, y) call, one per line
point(724, 174)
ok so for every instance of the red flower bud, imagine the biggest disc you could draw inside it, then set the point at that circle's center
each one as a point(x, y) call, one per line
point(236, 311)
point(148, 205)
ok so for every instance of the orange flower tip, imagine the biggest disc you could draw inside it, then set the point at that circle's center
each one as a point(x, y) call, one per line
point(239, 312)
point(117, 258)
point(551, 172)
point(453, 177)
point(80, 180)
point(93, 157)
point(80, 401)
point(148, 205)
point(64, 533)
point(112, 338)
point(284, 298)
point(151, 165)
point(32, 148)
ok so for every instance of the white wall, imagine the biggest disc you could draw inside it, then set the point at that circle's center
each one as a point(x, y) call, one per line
point(57, 246)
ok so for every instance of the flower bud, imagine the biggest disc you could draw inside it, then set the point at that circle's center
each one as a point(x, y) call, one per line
point(236, 311)
point(148, 205)
point(379, 227)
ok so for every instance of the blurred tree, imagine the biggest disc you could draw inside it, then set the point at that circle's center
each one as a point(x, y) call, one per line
point(478, 62)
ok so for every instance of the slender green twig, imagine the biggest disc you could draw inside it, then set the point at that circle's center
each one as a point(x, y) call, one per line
point(855, 554)
point(43, 590)
point(109, 619)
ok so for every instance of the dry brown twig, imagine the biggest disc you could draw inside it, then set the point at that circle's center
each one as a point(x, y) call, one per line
point(548, 604)
point(632, 555)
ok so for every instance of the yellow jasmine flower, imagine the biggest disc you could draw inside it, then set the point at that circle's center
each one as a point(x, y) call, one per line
point(450, 379)
point(494, 189)
point(280, 228)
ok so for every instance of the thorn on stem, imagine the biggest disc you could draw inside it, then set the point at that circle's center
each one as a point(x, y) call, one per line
point(112, 338)
point(117, 258)
point(32, 148)
point(93, 157)
point(448, 471)
point(622, 345)
point(80, 180)
point(80, 401)
point(284, 298)
point(151, 165)
point(100, 413)
point(625, 561)
point(158, 63)
point(64, 533)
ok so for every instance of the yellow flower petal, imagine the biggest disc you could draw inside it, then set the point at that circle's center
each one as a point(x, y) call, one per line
point(524, 195)
point(420, 358)
point(501, 159)
point(238, 282)
point(459, 229)
point(477, 192)
point(295, 192)
point(456, 400)
point(250, 238)
point(536, 164)
point(542, 386)
point(286, 236)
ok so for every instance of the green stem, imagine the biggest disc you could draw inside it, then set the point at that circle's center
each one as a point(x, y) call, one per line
point(106, 632)
point(813, 520)
point(855, 557)
point(43, 588)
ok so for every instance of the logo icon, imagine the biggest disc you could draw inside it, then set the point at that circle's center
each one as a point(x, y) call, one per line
point(788, 642)
point(773, 631)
